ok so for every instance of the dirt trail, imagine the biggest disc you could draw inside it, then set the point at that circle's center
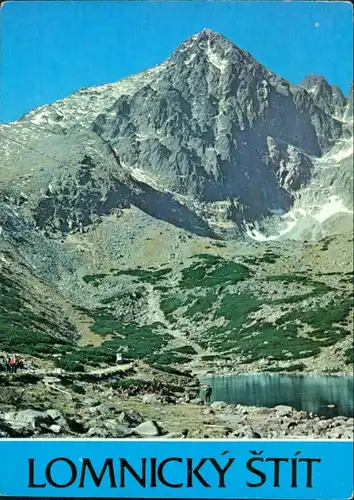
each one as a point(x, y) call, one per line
point(157, 315)
point(153, 305)
point(110, 370)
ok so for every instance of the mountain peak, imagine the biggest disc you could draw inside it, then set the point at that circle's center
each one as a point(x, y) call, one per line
point(211, 43)
point(328, 97)
point(208, 34)
point(207, 38)
point(311, 80)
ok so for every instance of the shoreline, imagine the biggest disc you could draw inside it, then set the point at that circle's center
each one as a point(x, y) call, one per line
point(207, 374)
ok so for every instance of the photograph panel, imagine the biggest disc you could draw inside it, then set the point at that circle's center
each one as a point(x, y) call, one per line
point(176, 220)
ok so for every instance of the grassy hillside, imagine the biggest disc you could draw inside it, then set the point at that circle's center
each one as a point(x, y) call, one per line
point(32, 318)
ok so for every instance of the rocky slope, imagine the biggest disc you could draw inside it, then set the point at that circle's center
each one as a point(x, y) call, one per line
point(194, 213)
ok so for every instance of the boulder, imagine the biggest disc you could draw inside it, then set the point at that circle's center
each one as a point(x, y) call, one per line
point(51, 380)
point(148, 429)
point(33, 417)
point(174, 435)
point(97, 432)
point(17, 429)
point(105, 409)
point(208, 411)
point(218, 405)
point(246, 432)
point(56, 429)
point(284, 411)
point(152, 399)
point(90, 402)
point(117, 430)
point(196, 401)
point(58, 417)
point(131, 418)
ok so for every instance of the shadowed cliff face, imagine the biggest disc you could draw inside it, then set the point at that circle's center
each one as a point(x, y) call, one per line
point(209, 126)
point(217, 124)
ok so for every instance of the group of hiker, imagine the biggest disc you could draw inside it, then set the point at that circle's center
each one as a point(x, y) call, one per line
point(9, 364)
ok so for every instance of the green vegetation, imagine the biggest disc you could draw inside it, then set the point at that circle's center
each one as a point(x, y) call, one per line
point(268, 258)
point(206, 274)
point(235, 309)
point(90, 355)
point(94, 279)
point(151, 277)
point(135, 341)
point(209, 258)
point(349, 356)
point(275, 341)
point(167, 358)
point(212, 357)
point(323, 320)
point(27, 341)
point(144, 276)
point(141, 384)
point(186, 349)
point(16, 312)
point(171, 303)
point(202, 305)
point(206, 290)
point(69, 365)
point(298, 367)
point(105, 324)
point(22, 328)
point(289, 278)
point(78, 389)
point(171, 370)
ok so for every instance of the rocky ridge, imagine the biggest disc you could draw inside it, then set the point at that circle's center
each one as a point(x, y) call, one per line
point(210, 130)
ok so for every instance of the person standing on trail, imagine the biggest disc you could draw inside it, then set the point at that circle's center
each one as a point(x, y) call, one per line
point(208, 393)
point(13, 364)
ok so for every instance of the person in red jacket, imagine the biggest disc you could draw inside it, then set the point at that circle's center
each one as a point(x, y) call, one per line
point(13, 364)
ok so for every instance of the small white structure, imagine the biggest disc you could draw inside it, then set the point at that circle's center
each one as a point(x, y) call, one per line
point(119, 358)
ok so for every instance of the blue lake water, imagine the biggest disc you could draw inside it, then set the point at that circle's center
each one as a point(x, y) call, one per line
point(311, 393)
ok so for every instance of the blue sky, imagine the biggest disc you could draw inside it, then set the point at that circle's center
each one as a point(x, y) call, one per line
point(50, 49)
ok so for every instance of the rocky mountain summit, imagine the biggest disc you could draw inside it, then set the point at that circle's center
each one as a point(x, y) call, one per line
point(197, 214)
point(210, 135)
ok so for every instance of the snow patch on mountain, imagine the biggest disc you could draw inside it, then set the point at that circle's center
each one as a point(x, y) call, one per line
point(295, 216)
point(334, 206)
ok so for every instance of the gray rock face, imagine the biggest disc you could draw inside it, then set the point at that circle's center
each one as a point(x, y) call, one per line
point(348, 114)
point(207, 137)
point(32, 417)
point(327, 97)
point(218, 125)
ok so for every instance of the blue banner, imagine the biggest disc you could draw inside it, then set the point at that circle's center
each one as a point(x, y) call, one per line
point(177, 469)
